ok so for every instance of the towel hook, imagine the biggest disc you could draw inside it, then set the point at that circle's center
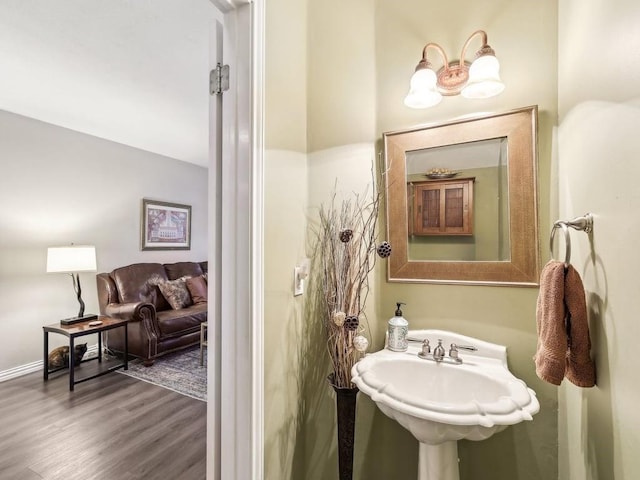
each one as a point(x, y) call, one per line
point(584, 224)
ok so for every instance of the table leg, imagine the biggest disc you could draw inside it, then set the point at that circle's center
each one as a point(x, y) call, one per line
point(45, 359)
point(201, 344)
point(99, 347)
point(71, 364)
point(126, 346)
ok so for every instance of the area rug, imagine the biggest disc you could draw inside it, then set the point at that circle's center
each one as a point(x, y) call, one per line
point(179, 371)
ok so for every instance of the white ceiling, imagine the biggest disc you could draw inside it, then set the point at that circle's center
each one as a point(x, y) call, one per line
point(134, 72)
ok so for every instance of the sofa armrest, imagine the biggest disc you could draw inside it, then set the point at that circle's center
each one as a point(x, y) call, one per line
point(143, 312)
point(131, 311)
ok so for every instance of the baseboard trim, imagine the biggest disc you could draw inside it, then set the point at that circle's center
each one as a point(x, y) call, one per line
point(32, 367)
point(20, 371)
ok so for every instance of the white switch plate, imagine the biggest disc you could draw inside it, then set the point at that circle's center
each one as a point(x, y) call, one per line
point(298, 283)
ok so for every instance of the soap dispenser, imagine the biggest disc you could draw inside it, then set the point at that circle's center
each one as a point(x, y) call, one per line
point(397, 331)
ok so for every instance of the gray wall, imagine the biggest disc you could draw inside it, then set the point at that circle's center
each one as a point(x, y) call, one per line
point(59, 187)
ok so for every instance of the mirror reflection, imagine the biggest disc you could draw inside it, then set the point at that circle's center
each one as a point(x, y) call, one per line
point(461, 201)
point(457, 202)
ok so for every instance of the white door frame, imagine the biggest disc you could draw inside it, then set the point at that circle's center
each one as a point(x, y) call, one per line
point(235, 406)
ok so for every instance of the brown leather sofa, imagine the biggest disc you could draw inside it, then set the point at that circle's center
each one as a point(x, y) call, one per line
point(155, 328)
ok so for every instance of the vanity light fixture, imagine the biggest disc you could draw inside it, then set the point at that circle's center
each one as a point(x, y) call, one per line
point(480, 79)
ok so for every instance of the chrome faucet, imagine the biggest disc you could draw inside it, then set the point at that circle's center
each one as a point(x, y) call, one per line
point(438, 354)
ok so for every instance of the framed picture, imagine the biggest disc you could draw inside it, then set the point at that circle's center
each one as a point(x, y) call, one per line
point(165, 226)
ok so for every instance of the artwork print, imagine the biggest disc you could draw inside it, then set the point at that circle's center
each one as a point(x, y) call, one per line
point(165, 226)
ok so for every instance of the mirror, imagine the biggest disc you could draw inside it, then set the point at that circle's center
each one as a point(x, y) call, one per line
point(480, 166)
point(461, 201)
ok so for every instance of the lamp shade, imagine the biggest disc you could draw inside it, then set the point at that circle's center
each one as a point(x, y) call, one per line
point(423, 92)
point(72, 259)
point(484, 78)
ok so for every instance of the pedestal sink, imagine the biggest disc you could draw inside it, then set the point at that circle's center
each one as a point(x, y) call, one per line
point(443, 402)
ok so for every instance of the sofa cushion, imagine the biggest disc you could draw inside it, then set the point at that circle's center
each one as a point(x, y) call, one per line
point(182, 269)
point(197, 289)
point(138, 283)
point(176, 293)
point(178, 322)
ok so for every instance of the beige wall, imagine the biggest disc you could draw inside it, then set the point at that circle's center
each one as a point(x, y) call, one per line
point(285, 199)
point(598, 151)
point(342, 75)
point(286, 75)
point(360, 56)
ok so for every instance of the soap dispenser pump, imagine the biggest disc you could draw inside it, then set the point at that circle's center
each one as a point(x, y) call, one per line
point(397, 331)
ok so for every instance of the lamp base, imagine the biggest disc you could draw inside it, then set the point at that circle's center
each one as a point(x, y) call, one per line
point(72, 320)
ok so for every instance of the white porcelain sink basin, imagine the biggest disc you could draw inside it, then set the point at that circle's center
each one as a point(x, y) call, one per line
point(440, 403)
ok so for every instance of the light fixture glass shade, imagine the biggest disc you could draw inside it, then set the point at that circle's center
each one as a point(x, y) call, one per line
point(72, 259)
point(423, 92)
point(484, 78)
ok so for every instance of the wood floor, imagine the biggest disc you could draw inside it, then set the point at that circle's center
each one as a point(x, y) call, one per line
point(112, 427)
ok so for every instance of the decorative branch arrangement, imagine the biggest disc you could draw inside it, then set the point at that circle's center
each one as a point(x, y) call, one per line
point(345, 254)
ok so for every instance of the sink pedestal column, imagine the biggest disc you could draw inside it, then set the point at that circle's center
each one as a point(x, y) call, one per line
point(438, 462)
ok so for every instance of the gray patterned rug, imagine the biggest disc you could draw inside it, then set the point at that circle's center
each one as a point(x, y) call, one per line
point(178, 371)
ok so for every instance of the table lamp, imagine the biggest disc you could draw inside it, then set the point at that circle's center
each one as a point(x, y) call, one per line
point(71, 260)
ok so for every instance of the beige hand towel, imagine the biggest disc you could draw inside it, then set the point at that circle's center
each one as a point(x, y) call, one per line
point(563, 331)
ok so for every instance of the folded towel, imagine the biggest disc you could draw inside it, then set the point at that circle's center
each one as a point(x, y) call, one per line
point(563, 331)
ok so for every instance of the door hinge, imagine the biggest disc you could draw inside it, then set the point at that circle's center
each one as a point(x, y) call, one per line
point(219, 79)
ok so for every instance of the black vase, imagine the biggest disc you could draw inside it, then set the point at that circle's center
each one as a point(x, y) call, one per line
point(346, 420)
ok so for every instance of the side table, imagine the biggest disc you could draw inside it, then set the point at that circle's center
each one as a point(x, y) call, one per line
point(78, 330)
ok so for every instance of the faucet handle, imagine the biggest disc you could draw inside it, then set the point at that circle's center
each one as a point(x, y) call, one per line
point(453, 351)
point(426, 348)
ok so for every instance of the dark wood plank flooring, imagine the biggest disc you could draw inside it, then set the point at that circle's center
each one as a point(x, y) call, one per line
point(112, 427)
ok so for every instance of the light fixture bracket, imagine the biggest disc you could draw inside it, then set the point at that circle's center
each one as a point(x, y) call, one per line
point(453, 77)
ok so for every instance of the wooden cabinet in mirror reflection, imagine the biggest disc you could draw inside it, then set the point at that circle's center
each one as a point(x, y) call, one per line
point(443, 207)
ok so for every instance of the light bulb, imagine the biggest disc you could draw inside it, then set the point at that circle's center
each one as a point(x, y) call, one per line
point(484, 78)
point(422, 92)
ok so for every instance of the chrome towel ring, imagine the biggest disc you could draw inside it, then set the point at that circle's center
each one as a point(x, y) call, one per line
point(584, 224)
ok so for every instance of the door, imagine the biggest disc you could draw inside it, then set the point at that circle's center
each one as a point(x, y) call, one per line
point(235, 397)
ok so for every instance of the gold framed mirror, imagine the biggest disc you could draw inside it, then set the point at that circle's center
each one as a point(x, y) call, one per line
point(462, 201)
